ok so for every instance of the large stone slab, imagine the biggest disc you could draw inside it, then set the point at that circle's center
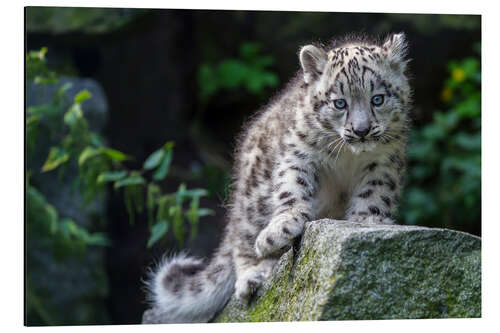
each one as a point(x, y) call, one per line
point(347, 271)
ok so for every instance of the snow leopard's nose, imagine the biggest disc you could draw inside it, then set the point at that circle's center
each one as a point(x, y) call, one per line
point(362, 130)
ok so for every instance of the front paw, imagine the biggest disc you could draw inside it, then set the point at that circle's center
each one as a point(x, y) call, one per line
point(372, 219)
point(277, 235)
point(246, 286)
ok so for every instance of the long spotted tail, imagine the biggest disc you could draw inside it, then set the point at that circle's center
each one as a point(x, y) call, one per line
point(186, 290)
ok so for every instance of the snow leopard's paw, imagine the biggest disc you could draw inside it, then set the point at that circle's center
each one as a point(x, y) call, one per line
point(247, 285)
point(278, 234)
point(372, 219)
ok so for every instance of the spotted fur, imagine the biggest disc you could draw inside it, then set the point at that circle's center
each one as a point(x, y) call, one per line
point(300, 159)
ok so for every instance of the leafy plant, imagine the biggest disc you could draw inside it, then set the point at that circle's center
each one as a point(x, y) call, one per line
point(444, 175)
point(99, 165)
point(249, 71)
point(74, 146)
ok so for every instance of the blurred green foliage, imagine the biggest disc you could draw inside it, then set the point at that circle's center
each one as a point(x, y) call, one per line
point(40, 213)
point(77, 146)
point(69, 19)
point(99, 165)
point(249, 72)
point(430, 24)
point(444, 175)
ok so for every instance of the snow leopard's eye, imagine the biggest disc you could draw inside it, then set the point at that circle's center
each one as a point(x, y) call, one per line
point(340, 103)
point(378, 100)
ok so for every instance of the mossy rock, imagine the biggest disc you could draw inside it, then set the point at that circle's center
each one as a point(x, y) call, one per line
point(347, 271)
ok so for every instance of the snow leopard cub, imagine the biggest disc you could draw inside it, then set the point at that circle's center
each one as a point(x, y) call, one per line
point(331, 145)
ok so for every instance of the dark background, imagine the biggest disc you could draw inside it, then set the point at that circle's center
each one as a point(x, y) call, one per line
point(148, 63)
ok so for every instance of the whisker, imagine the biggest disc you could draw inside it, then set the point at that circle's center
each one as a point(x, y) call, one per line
point(338, 153)
point(333, 142)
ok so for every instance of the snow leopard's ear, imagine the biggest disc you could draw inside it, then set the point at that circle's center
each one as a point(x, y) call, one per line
point(313, 61)
point(395, 49)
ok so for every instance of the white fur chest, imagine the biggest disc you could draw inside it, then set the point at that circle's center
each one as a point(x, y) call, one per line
point(339, 179)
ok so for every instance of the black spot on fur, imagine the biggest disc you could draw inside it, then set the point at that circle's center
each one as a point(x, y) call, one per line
point(276, 187)
point(174, 274)
point(284, 195)
point(317, 105)
point(390, 182)
point(306, 216)
point(290, 202)
point(316, 177)
point(301, 181)
point(296, 168)
point(366, 194)
point(300, 155)
point(286, 231)
point(174, 279)
point(195, 286)
point(262, 206)
point(190, 270)
point(371, 166)
point(250, 212)
point(386, 200)
point(253, 176)
point(262, 145)
point(374, 210)
point(249, 237)
point(376, 182)
point(301, 136)
point(270, 241)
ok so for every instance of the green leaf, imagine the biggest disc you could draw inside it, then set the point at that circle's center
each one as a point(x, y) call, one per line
point(40, 110)
point(152, 192)
point(111, 176)
point(114, 154)
point(231, 73)
point(82, 96)
point(60, 94)
point(192, 215)
point(249, 50)
point(157, 232)
point(87, 153)
point(45, 79)
point(468, 141)
point(178, 224)
point(56, 157)
point(164, 167)
point(68, 228)
point(169, 145)
point(205, 212)
point(32, 121)
point(197, 192)
point(98, 239)
point(128, 198)
point(154, 159)
point(96, 140)
point(52, 214)
point(129, 181)
point(73, 115)
point(180, 194)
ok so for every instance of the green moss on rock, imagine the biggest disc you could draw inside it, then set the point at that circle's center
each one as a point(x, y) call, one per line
point(347, 271)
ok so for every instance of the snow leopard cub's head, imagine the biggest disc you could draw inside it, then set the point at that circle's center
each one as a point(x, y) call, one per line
point(359, 90)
